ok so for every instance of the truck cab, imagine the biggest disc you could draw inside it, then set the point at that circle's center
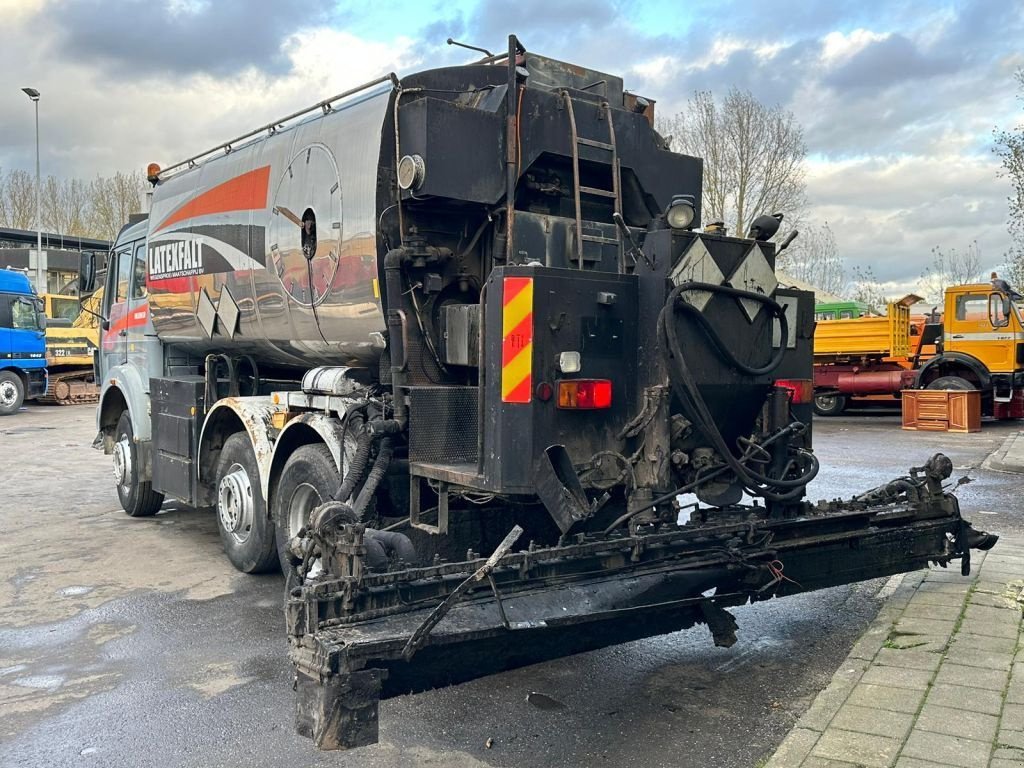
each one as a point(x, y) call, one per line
point(22, 342)
point(982, 348)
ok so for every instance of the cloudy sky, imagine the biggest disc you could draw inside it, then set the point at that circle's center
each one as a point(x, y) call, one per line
point(898, 100)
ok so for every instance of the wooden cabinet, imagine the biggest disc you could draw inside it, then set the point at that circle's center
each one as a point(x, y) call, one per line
point(942, 410)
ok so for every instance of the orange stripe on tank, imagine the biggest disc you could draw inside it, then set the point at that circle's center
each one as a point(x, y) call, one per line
point(247, 192)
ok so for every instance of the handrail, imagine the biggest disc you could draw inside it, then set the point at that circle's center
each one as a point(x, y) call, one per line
point(272, 128)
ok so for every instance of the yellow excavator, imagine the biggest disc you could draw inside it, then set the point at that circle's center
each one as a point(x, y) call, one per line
point(72, 335)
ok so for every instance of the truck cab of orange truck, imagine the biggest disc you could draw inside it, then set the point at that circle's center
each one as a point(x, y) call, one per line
point(982, 347)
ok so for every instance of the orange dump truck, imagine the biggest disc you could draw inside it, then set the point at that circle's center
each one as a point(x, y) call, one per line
point(978, 344)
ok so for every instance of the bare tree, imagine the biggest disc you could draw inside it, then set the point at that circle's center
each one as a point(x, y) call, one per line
point(950, 267)
point(865, 287)
point(753, 156)
point(18, 190)
point(814, 258)
point(112, 200)
point(66, 206)
point(1009, 146)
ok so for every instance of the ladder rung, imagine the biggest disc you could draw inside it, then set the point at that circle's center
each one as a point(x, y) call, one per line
point(597, 239)
point(594, 143)
point(598, 192)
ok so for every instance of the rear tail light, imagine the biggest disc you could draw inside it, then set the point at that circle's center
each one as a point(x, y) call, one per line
point(585, 394)
point(800, 390)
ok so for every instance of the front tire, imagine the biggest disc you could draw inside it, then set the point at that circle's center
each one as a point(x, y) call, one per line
point(951, 382)
point(309, 478)
point(246, 530)
point(12, 393)
point(829, 405)
point(137, 497)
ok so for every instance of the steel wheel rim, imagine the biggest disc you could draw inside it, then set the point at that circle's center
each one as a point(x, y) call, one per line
point(826, 402)
point(235, 504)
point(123, 464)
point(8, 393)
point(304, 499)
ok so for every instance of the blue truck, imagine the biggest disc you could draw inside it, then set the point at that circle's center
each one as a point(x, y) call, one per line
point(22, 342)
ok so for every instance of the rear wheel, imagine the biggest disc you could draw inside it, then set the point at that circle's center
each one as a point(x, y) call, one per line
point(309, 478)
point(246, 530)
point(137, 497)
point(12, 393)
point(829, 405)
point(951, 382)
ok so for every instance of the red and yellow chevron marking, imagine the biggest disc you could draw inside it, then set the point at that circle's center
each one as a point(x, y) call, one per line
point(517, 340)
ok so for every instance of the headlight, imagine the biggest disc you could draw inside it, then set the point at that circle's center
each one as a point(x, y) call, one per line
point(680, 213)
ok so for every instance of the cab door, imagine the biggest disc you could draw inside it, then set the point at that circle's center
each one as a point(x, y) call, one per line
point(978, 326)
point(143, 345)
point(114, 338)
point(28, 331)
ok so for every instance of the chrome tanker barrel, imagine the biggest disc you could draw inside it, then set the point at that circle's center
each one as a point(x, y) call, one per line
point(269, 248)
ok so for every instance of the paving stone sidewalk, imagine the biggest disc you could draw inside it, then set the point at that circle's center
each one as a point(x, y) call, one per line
point(937, 680)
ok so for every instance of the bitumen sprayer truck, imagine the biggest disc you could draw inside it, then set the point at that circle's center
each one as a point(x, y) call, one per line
point(453, 351)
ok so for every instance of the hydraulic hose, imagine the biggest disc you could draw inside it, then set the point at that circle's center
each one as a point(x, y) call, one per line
point(358, 467)
point(675, 298)
point(381, 544)
point(377, 473)
point(685, 386)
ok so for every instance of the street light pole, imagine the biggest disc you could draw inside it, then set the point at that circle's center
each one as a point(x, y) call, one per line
point(33, 94)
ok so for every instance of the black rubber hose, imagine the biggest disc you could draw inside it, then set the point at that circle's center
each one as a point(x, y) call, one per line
point(376, 556)
point(685, 387)
point(395, 543)
point(777, 310)
point(357, 468)
point(373, 480)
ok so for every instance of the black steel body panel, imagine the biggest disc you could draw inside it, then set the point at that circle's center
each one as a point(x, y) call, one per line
point(178, 404)
point(567, 317)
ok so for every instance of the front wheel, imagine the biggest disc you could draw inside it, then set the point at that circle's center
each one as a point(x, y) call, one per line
point(137, 496)
point(246, 530)
point(951, 382)
point(12, 393)
point(829, 405)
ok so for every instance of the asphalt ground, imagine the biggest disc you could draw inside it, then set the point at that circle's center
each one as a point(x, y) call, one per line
point(130, 642)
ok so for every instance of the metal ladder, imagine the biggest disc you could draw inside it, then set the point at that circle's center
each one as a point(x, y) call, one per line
point(614, 193)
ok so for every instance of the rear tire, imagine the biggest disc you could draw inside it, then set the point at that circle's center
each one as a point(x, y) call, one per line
point(137, 497)
point(12, 393)
point(246, 530)
point(951, 382)
point(829, 405)
point(309, 478)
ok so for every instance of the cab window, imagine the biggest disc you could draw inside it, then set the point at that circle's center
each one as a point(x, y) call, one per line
point(998, 310)
point(972, 306)
point(124, 274)
point(846, 314)
point(139, 273)
point(24, 314)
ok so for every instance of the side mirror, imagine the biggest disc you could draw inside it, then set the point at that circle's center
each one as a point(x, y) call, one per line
point(86, 273)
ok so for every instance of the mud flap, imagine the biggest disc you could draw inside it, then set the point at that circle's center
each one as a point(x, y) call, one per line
point(560, 490)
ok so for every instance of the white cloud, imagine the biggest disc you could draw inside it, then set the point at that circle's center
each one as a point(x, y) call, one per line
point(839, 47)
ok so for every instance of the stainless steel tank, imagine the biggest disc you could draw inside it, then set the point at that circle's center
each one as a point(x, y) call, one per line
point(269, 249)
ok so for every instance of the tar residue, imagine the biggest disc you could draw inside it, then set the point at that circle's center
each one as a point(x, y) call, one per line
point(543, 701)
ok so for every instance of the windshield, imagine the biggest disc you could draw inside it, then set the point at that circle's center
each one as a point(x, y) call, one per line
point(65, 307)
point(27, 314)
point(1018, 309)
